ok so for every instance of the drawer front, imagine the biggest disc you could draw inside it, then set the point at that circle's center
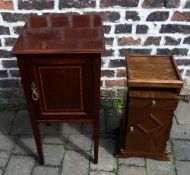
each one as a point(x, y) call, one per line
point(153, 103)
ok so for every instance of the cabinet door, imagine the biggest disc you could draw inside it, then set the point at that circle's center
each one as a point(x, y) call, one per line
point(148, 126)
point(64, 86)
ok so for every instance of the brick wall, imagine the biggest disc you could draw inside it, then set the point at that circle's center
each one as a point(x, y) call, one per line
point(131, 26)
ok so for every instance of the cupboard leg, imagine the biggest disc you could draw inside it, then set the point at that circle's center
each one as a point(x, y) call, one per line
point(96, 142)
point(37, 138)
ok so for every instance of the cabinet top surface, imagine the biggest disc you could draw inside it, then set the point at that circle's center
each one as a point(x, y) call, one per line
point(153, 71)
point(61, 34)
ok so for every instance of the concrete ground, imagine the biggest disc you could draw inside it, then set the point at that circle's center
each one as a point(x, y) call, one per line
point(68, 148)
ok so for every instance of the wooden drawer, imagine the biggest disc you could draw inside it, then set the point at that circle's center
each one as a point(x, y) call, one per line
point(153, 103)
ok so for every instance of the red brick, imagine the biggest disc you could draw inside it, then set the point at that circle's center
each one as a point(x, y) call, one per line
point(128, 41)
point(107, 15)
point(153, 3)
point(121, 73)
point(123, 3)
point(115, 83)
point(181, 16)
point(6, 4)
point(107, 73)
point(152, 41)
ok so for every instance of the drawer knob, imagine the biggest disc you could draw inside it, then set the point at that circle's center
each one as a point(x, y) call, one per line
point(35, 94)
point(132, 129)
point(153, 103)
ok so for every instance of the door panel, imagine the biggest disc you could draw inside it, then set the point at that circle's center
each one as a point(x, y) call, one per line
point(62, 86)
point(148, 128)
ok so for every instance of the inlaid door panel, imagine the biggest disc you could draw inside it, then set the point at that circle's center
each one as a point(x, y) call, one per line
point(62, 86)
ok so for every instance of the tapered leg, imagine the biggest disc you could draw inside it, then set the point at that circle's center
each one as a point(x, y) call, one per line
point(96, 141)
point(96, 93)
point(37, 137)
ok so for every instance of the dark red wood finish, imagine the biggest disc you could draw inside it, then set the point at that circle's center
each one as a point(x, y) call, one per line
point(59, 58)
point(154, 84)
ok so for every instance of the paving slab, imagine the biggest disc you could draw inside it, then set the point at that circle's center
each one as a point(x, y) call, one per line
point(183, 168)
point(131, 170)
point(181, 149)
point(182, 113)
point(106, 161)
point(179, 131)
point(70, 128)
point(101, 173)
point(75, 163)
point(55, 139)
point(19, 165)
point(168, 147)
point(4, 156)
point(6, 119)
point(26, 146)
point(22, 124)
point(52, 129)
point(155, 167)
point(79, 142)
point(42, 170)
point(132, 161)
point(53, 154)
point(7, 143)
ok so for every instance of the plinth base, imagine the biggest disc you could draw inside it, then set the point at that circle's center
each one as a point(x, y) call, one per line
point(158, 156)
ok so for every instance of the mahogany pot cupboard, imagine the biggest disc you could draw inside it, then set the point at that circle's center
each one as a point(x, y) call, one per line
point(153, 84)
point(59, 58)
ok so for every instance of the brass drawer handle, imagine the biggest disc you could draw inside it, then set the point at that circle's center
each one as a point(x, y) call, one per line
point(132, 129)
point(35, 94)
point(153, 103)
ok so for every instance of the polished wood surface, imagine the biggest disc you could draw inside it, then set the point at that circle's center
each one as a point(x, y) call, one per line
point(152, 71)
point(61, 34)
point(150, 106)
point(59, 58)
